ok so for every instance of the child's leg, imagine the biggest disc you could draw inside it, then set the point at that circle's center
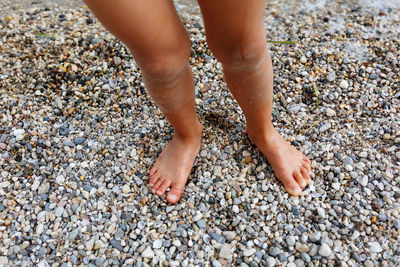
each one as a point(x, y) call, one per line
point(236, 35)
point(160, 45)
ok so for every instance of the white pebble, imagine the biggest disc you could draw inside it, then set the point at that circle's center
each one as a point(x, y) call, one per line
point(35, 185)
point(60, 179)
point(344, 84)
point(148, 253)
point(126, 189)
point(375, 247)
point(324, 250)
point(157, 244)
point(330, 112)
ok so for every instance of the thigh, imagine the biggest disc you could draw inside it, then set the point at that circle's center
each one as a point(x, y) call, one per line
point(148, 27)
point(234, 25)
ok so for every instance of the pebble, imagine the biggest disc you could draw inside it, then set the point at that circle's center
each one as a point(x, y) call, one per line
point(3, 260)
point(344, 84)
point(126, 189)
point(375, 247)
point(324, 250)
point(148, 253)
point(315, 237)
point(274, 251)
point(225, 251)
point(249, 252)
point(98, 244)
point(330, 112)
point(157, 243)
point(59, 211)
point(60, 179)
point(271, 262)
point(201, 224)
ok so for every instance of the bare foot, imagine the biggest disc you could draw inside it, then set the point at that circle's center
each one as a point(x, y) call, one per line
point(291, 167)
point(173, 166)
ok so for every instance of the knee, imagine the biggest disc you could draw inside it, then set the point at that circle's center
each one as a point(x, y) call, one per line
point(164, 66)
point(242, 55)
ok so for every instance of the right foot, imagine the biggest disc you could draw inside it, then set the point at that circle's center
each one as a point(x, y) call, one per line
point(291, 167)
point(173, 166)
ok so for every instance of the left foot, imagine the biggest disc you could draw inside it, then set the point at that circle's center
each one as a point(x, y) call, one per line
point(173, 166)
point(291, 167)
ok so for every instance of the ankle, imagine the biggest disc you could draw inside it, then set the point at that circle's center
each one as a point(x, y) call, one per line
point(194, 133)
point(260, 133)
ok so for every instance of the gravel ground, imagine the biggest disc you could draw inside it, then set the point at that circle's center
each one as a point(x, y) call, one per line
point(78, 136)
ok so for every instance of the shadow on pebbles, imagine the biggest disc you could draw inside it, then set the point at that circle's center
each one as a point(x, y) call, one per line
point(78, 136)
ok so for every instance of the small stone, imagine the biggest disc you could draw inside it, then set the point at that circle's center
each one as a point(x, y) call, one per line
point(290, 240)
point(218, 238)
point(302, 247)
point(157, 243)
point(386, 136)
point(126, 189)
point(303, 60)
point(274, 251)
point(225, 251)
point(249, 252)
point(324, 250)
point(39, 228)
point(44, 189)
point(314, 237)
point(58, 103)
point(148, 253)
point(330, 112)
point(72, 235)
point(42, 264)
point(89, 244)
point(375, 247)
point(344, 84)
point(3, 260)
point(364, 180)
point(201, 224)
point(116, 244)
point(216, 263)
point(363, 154)
point(98, 244)
point(271, 262)
point(305, 257)
point(60, 179)
point(59, 211)
point(235, 209)
point(79, 140)
point(35, 185)
point(229, 235)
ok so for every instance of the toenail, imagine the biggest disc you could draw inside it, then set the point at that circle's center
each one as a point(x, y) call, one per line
point(159, 192)
point(153, 191)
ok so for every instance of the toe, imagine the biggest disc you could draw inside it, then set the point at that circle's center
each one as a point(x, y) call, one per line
point(174, 194)
point(157, 185)
point(299, 178)
point(291, 185)
point(153, 171)
point(154, 178)
point(306, 159)
point(293, 188)
point(306, 174)
point(307, 165)
point(164, 186)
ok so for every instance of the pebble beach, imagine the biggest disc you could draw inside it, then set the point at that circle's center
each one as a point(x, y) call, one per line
point(79, 134)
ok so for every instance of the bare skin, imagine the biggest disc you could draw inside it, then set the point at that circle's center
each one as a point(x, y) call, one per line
point(236, 35)
point(161, 47)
